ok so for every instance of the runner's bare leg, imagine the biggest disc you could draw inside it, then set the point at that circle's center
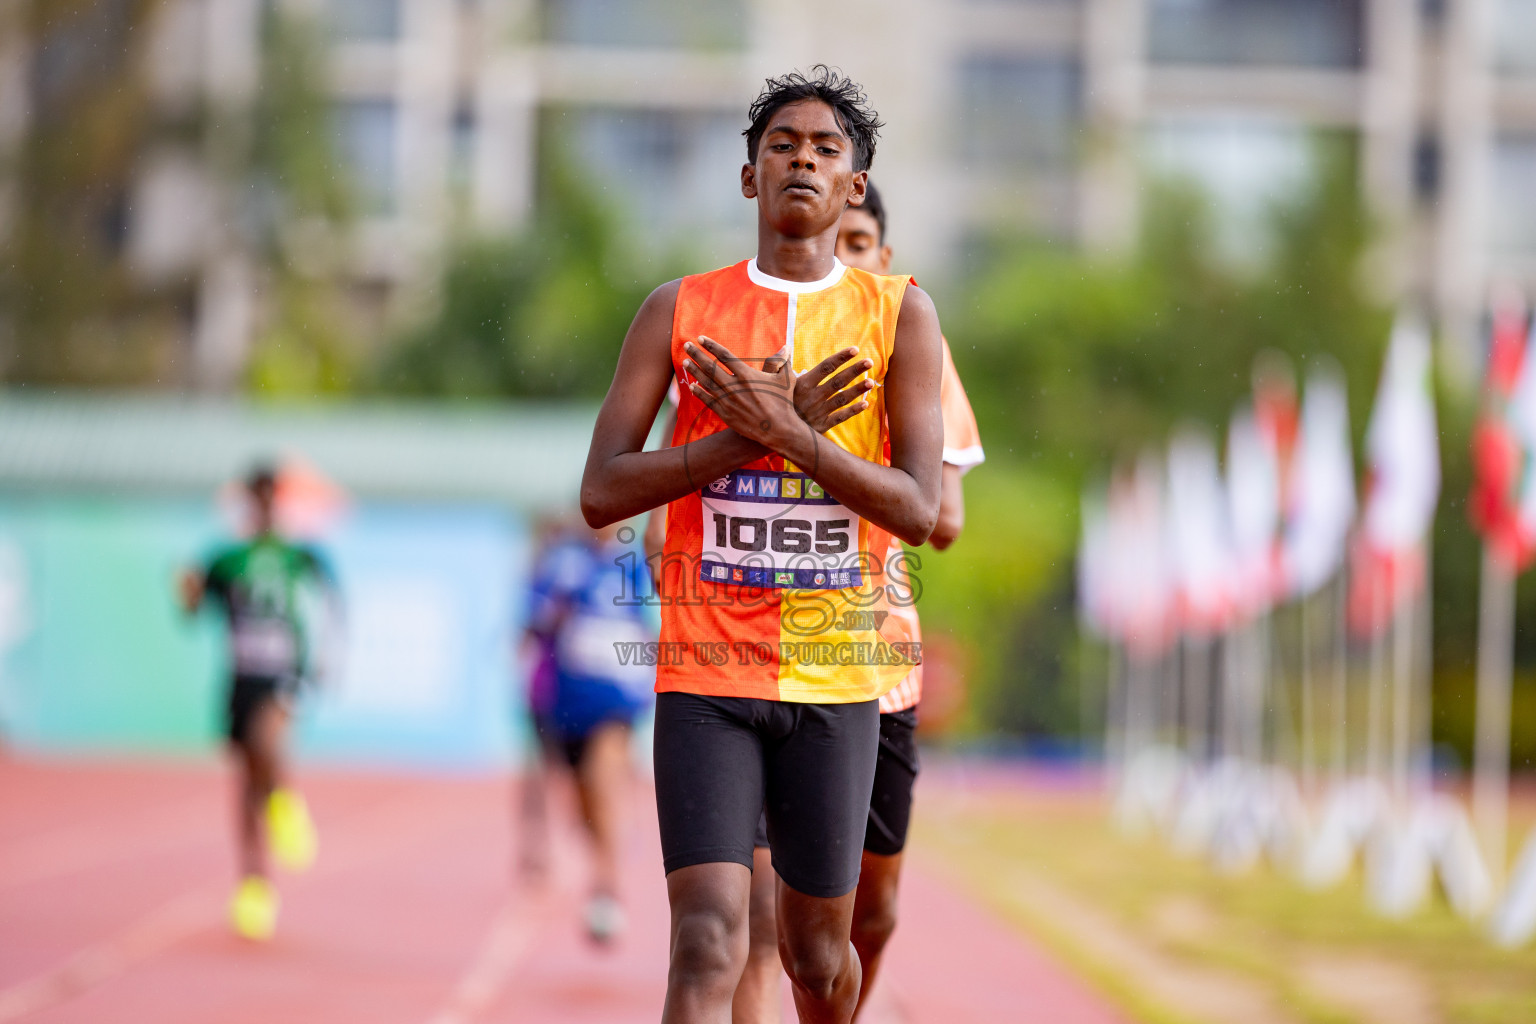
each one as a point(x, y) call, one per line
point(757, 994)
point(822, 964)
point(874, 914)
point(709, 941)
point(600, 785)
point(262, 768)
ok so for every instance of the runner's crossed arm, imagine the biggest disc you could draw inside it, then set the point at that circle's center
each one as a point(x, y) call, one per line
point(761, 404)
point(825, 396)
point(770, 409)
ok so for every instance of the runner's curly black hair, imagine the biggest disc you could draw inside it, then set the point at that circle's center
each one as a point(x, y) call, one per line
point(875, 207)
point(262, 476)
point(845, 96)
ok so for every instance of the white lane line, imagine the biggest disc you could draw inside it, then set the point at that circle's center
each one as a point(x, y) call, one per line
point(510, 935)
point(168, 924)
point(363, 835)
point(88, 845)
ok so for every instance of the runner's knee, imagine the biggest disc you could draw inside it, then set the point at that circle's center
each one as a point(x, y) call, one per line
point(874, 923)
point(817, 970)
point(707, 948)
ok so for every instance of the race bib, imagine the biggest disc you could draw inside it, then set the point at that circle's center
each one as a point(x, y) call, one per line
point(263, 647)
point(589, 644)
point(779, 530)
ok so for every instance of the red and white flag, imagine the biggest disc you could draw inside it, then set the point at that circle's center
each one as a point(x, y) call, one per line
point(1403, 480)
point(1503, 503)
point(1322, 500)
point(1253, 503)
point(1137, 574)
point(1199, 546)
point(1094, 609)
point(1522, 420)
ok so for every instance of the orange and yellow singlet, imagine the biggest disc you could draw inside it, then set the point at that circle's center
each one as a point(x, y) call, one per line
point(769, 587)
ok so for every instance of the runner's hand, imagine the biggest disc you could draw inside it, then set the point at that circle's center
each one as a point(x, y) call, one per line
point(189, 590)
point(756, 403)
point(825, 395)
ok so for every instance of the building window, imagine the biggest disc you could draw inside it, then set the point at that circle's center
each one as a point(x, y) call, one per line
point(368, 130)
point(1426, 168)
point(77, 53)
point(1019, 113)
point(1513, 231)
point(669, 173)
point(1305, 33)
point(461, 148)
point(1244, 168)
point(365, 21)
point(1515, 37)
point(688, 24)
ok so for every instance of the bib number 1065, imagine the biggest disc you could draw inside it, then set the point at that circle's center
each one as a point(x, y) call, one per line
point(783, 536)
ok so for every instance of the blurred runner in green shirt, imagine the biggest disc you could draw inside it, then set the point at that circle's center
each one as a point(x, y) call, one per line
point(269, 590)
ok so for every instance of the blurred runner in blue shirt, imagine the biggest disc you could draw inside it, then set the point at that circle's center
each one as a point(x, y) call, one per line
point(585, 605)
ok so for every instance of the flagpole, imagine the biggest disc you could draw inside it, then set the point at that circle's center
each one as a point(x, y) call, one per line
point(1281, 703)
point(1246, 690)
point(1340, 678)
point(1197, 653)
point(1231, 676)
point(1263, 684)
point(1169, 682)
point(1132, 726)
point(1087, 718)
point(1308, 754)
point(1402, 682)
point(1377, 682)
point(1424, 674)
point(1495, 656)
point(1116, 706)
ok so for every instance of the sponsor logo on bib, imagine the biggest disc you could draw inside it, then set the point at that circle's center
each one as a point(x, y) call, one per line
point(772, 529)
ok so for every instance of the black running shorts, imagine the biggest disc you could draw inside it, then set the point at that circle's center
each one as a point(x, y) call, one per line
point(721, 762)
point(558, 747)
point(248, 695)
point(567, 747)
point(890, 808)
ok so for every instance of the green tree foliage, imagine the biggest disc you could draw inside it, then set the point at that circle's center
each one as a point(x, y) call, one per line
point(1087, 360)
point(72, 310)
point(71, 313)
point(1072, 362)
point(540, 314)
point(300, 205)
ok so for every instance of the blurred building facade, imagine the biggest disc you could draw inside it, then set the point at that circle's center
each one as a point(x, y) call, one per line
point(1036, 116)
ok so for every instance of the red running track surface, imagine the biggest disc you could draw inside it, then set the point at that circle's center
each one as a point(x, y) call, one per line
point(113, 879)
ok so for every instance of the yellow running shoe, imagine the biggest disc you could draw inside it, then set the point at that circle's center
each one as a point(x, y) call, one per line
point(290, 830)
point(253, 909)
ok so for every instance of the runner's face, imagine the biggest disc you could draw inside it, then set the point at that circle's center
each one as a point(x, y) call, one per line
point(263, 503)
point(804, 176)
point(858, 242)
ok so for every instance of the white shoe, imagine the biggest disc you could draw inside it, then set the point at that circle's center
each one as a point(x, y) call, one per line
point(605, 919)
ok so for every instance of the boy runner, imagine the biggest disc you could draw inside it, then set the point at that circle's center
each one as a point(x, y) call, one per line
point(260, 585)
point(861, 244)
point(768, 677)
point(580, 605)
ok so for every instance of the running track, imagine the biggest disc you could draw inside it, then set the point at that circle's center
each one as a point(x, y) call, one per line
point(113, 879)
